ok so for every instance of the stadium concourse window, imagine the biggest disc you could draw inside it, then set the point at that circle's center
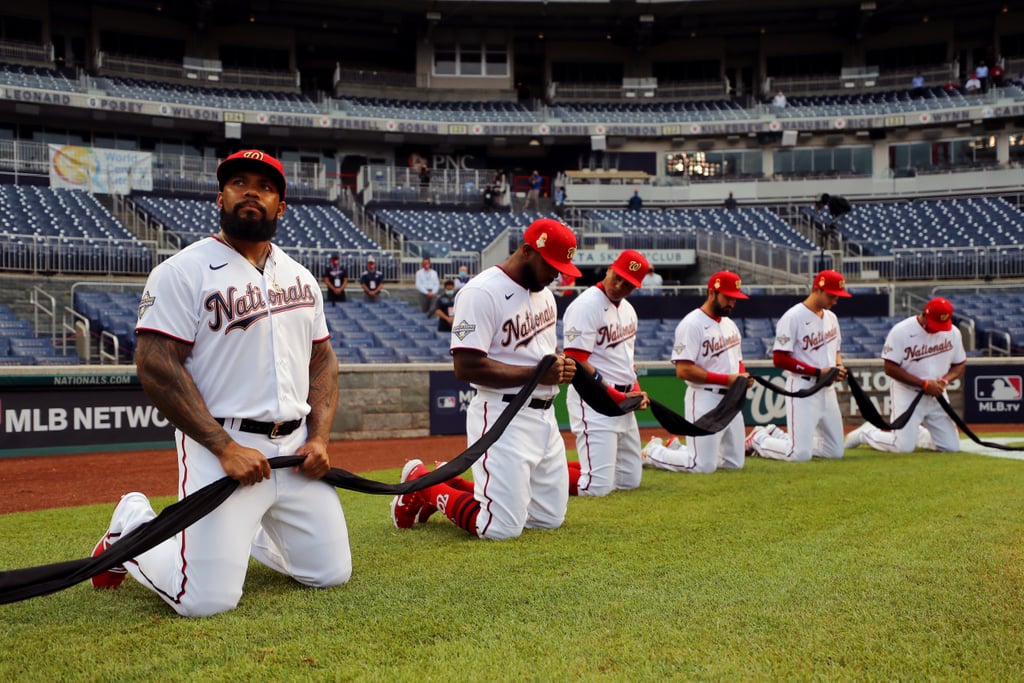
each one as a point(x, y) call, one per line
point(823, 161)
point(935, 156)
point(707, 165)
point(473, 59)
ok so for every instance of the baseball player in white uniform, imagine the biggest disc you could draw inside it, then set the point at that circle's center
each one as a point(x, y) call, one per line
point(599, 328)
point(505, 324)
point(234, 350)
point(922, 353)
point(807, 345)
point(708, 358)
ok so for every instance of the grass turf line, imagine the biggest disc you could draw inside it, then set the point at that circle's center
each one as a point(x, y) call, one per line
point(876, 567)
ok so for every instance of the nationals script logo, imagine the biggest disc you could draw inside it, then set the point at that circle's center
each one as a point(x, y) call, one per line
point(235, 310)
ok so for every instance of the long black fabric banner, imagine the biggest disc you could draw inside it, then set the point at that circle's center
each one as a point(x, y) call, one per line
point(21, 584)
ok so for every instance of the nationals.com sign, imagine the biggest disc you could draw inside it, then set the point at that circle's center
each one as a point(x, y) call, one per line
point(43, 422)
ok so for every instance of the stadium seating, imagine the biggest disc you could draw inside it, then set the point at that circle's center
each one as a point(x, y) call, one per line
point(303, 225)
point(870, 103)
point(753, 223)
point(40, 78)
point(455, 111)
point(451, 230)
point(218, 98)
point(20, 345)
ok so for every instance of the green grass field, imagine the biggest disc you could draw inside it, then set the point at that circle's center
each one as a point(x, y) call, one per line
point(876, 567)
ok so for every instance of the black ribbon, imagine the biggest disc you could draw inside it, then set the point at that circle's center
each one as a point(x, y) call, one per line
point(710, 422)
point(967, 430)
point(596, 396)
point(21, 584)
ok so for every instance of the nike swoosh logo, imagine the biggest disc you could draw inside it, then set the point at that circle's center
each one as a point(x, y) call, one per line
point(213, 267)
point(509, 296)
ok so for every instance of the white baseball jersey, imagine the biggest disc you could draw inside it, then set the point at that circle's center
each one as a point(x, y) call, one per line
point(496, 315)
point(251, 334)
point(810, 340)
point(815, 423)
point(522, 481)
point(714, 345)
point(608, 446)
point(929, 356)
point(606, 330)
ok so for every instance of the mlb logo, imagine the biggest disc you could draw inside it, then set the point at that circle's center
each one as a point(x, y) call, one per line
point(447, 401)
point(998, 387)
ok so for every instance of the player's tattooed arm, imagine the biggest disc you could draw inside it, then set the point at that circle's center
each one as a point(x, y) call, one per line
point(160, 364)
point(323, 391)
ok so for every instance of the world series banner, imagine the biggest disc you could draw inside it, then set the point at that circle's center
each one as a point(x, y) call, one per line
point(102, 171)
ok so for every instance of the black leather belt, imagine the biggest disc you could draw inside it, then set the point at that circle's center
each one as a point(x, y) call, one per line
point(273, 430)
point(715, 390)
point(623, 387)
point(809, 378)
point(538, 403)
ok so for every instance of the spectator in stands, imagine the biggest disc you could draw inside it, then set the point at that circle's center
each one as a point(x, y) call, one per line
point(636, 202)
point(779, 101)
point(444, 306)
point(488, 197)
point(498, 184)
point(462, 278)
point(973, 85)
point(533, 195)
point(651, 284)
point(425, 182)
point(427, 284)
point(372, 281)
point(981, 72)
point(917, 85)
point(336, 279)
point(997, 76)
point(730, 202)
point(560, 197)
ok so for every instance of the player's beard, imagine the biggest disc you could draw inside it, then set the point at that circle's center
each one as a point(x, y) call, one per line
point(718, 310)
point(531, 280)
point(247, 229)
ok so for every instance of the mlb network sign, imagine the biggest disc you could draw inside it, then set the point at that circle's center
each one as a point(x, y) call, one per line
point(44, 422)
point(993, 394)
point(449, 400)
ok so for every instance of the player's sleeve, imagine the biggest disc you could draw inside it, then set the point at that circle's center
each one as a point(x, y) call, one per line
point(169, 303)
point(893, 349)
point(959, 355)
point(686, 342)
point(784, 336)
point(320, 331)
point(579, 330)
point(474, 320)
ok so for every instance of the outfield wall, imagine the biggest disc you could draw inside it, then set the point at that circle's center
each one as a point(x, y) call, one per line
point(75, 409)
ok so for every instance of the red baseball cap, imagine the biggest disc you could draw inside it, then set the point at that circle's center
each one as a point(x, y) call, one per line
point(938, 315)
point(631, 266)
point(831, 282)
point(555, 242)
point(252, 160)
point(728, 283)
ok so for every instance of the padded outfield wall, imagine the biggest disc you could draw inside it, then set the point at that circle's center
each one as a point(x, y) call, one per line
point(62, 410)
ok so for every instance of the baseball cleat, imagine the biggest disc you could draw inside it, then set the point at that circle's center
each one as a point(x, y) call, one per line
point(750, 443)
point(856, 437)
point(406, 508)
point(674, 443)
point(645, 455)
point(112, 578)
